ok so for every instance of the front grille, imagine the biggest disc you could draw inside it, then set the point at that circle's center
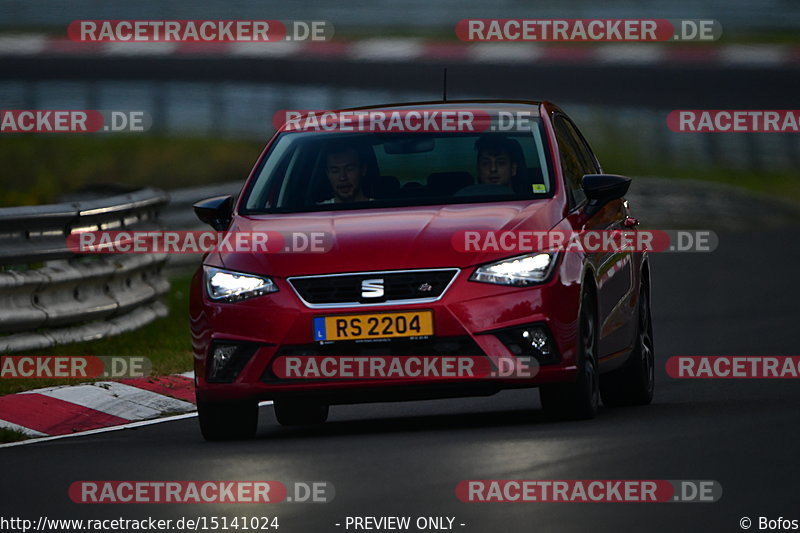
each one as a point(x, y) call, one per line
point(398, 286)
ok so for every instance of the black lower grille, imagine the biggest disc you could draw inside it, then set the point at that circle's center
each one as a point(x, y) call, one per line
point(373, 287)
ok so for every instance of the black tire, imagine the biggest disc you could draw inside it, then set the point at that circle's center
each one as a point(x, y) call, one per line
point(300, 412)
point(227, 420)
point(633, 383)
point(580, 399)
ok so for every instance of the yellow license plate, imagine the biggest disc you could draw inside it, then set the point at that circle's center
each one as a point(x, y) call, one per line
point(373, 326)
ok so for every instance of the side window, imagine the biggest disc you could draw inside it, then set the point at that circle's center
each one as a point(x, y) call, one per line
point(571, 163)
point(270, 180)
point(588, 161)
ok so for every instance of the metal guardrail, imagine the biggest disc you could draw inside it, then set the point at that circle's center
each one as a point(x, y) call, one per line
point(49, 295)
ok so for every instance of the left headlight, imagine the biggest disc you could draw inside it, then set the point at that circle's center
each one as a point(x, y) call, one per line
point(228, 286)
point(517, 271)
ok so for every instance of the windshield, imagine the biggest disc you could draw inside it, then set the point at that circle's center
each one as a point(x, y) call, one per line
point(316, 171)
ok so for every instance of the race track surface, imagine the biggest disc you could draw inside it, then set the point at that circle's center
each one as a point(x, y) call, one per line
point(405, 459)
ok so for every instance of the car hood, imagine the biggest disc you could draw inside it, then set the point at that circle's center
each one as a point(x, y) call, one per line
point(386, 239)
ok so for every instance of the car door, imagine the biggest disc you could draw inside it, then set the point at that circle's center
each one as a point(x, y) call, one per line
point(613, 270)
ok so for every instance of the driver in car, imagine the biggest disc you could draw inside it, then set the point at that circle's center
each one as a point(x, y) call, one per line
point(346, 171)
point(496, 164)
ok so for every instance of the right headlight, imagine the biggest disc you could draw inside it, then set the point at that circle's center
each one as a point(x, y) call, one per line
point(228, 286)
point(518, 271)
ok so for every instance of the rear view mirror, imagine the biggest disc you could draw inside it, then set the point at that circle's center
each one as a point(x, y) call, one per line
point(602, 188)
point(216, 212)
point(409, 146)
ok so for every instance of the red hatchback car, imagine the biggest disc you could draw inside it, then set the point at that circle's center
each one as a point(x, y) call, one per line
point(393, 286)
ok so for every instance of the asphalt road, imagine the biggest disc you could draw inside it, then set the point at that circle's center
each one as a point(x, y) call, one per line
point(406, 459)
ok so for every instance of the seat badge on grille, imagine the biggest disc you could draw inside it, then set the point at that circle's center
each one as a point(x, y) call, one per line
point(425, 287)
point(372, 288)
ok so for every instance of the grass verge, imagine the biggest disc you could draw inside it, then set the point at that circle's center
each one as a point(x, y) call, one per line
point(11, 435)
point(781, 184)
point(38, 169)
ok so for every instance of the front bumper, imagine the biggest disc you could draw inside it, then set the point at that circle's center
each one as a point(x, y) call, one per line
point(466, 321)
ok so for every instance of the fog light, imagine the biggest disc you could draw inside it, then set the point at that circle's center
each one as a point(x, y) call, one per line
point(537, 339)
point(529, 341)
point(227, 360)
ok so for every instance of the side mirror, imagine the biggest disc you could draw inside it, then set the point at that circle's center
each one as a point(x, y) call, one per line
point(216, 212)
point(602, 188)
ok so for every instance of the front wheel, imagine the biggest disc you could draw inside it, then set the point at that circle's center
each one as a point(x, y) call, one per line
point(227, 420)
point(580, 399)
